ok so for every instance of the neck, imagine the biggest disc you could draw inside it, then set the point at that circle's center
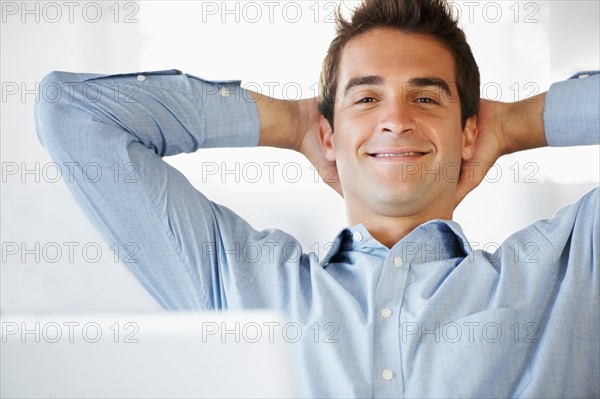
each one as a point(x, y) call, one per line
point(390, 229)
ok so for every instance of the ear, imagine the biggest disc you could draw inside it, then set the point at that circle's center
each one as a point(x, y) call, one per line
point(469, 137)
point(326, 139)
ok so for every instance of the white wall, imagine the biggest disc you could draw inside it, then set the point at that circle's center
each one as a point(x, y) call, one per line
point(545, 41)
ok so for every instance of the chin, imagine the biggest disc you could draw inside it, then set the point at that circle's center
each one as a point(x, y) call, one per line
point(395, 198)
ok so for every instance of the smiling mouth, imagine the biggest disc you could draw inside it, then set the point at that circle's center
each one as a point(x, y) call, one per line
point(403, 154)
point(392, 155)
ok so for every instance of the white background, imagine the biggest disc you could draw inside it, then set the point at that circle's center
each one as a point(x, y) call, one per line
point(271, 46)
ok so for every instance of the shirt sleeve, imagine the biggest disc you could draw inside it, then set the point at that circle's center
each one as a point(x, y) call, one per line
point(168, 111)
point(572, 111)
point(570, 238)
point(168, 234)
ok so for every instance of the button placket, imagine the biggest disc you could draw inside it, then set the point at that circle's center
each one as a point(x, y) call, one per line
point(387, 374)
point(390, 293)
point(398, 261)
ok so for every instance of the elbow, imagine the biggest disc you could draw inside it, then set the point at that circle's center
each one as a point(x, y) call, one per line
point(57, 113)
point(49, 108)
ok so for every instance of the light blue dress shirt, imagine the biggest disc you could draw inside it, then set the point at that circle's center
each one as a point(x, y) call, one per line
point(433, 316)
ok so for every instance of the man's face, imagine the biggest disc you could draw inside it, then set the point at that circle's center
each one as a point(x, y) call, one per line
point(398, 141)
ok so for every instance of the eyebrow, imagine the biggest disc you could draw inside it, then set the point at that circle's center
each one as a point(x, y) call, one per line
point(429, 82)
point(376, 80)
point(372, 80)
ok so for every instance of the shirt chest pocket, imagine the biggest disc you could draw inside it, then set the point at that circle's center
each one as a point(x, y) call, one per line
point(486, 354)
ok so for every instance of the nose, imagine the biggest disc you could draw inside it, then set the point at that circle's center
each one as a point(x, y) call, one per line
point(397, 117)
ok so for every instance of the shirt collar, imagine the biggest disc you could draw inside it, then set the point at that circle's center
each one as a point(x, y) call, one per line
point(433, 240)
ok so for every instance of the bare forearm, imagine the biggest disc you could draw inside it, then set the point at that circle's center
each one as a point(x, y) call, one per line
point(280, 122)
point(523, 124)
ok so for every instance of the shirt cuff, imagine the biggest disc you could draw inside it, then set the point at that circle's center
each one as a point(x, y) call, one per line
point(572, 111)
point(230, 114)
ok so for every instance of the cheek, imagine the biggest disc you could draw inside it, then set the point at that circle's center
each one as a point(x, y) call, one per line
point(352, 132)
point(450, 140)
point(339, 148)
point(453, 150)
point(346, 150)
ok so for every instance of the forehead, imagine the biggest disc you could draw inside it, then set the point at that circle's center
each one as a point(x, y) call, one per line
point(396, 56)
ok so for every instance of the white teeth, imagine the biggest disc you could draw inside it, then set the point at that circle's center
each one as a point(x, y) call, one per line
point(404, 154)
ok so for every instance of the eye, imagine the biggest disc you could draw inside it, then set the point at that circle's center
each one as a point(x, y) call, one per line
point(366, 100)
point(426, 100)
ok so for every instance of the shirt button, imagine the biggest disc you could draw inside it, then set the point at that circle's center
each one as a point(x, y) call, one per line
point(385, 312)
point(141, 78)
point(398, 261)
point(224, 92)
point(584, 75)
point(357, 236)
point(387, 374)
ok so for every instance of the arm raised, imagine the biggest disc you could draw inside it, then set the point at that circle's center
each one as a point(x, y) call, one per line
point(567, 115)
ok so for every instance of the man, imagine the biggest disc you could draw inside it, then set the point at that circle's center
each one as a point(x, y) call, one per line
point(400, 306)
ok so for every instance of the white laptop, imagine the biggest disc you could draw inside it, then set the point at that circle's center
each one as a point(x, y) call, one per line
point(152, 355)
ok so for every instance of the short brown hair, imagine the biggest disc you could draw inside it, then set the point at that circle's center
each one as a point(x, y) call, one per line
point(429, 17)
